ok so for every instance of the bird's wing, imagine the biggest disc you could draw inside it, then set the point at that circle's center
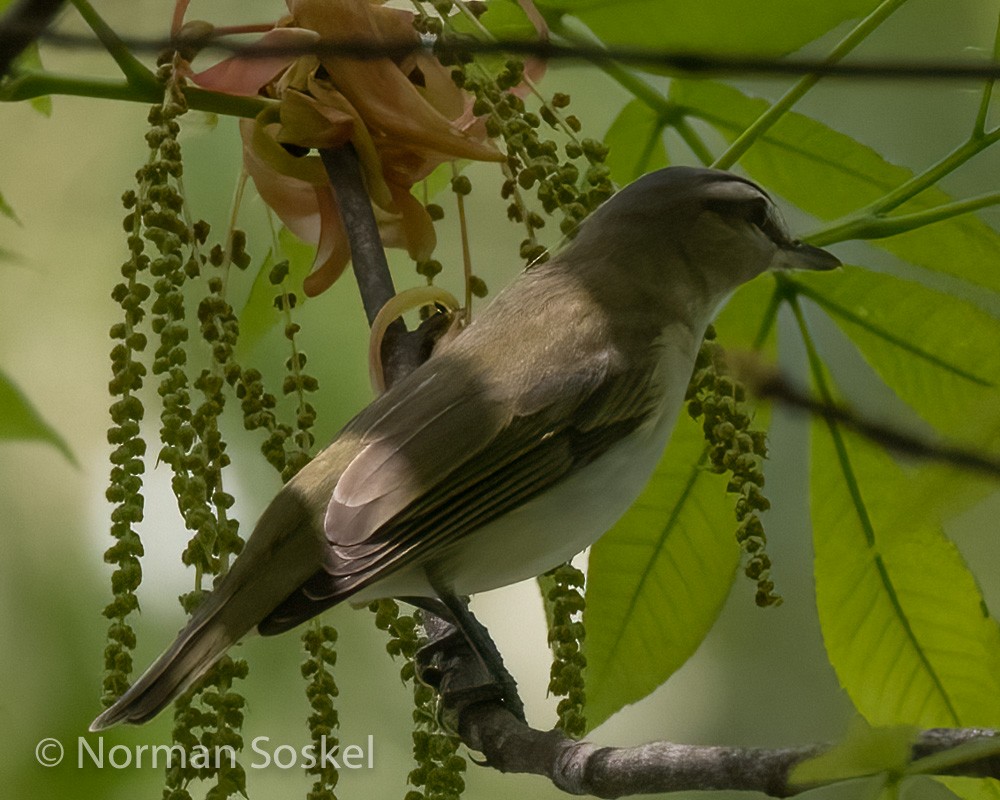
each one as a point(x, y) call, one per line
point(493, 457)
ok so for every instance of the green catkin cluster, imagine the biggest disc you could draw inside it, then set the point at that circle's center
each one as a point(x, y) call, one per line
point(289, 451)
point(285, 448)
point(438, 774)
point(319, 641)
point(219, 718)
point(719, 400)
point(566, 634)
point(570, 178)
point(192, 445)
point(127, 466)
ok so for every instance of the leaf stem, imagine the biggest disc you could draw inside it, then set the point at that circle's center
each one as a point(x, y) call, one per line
point(768, 320)
point(858, 224)
point(876, 226)
point(979, 129)
point(136, 73)
point(39, 83)
point(934, 173)
point(669, 112)
point(693, 141)
point(857, 35)
point(628, 80)
point(466, 254)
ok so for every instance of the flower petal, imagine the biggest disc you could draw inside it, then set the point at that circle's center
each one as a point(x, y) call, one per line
point(412, 228)
point(334, 251)
point(378, 89)
point(308, 123)
point(292, 199)
point(243, 75)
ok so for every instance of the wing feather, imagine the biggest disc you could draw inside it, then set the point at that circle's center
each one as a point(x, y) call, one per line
point(500, 472)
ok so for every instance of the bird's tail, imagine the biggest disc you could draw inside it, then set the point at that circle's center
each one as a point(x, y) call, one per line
point(277, 559)
point(195, 650)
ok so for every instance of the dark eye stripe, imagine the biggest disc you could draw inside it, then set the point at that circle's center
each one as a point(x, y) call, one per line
point(757, 211)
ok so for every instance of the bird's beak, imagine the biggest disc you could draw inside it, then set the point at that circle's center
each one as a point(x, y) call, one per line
point(797, 255)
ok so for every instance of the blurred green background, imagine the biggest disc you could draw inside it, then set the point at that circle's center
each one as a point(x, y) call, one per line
point(761, 678)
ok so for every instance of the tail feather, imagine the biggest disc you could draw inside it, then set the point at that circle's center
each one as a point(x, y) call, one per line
point(196, 649)
point(277, 559)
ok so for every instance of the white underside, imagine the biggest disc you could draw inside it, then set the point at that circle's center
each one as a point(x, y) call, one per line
point(564, 520)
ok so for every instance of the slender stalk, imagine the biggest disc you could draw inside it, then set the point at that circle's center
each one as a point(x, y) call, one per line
point(934, 173)
point(878, 227)
point(694, 141)
point(30, 84)
point(136, 73)
point(766, 120)
point(36, 83)
point(769, 318)
point(867, 218)
point(466, 254)
point(979, 129)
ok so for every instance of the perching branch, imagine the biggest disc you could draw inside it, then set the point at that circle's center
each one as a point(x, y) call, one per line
point(580, 767)
point(402, 350)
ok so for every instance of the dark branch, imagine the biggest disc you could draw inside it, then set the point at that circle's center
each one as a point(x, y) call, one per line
point(678, 62)
point(24, 22)
point(771, 384)
point(471, 707)
point(402, 350)
point(370, 266)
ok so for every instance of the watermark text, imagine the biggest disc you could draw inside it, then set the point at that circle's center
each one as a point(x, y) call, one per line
point(263, 752)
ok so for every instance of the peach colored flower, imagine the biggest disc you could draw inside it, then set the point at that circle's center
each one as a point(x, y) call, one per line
point(400, 115)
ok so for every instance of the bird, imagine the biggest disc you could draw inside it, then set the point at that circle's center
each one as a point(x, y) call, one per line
point(518, 443)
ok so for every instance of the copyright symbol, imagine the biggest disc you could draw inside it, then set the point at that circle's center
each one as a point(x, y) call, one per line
point(49, 752)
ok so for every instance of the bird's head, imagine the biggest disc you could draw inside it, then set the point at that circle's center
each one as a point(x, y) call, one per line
point(694, 233)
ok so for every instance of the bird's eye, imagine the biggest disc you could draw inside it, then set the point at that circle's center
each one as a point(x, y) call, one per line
point(753, 210)
point(756, 212)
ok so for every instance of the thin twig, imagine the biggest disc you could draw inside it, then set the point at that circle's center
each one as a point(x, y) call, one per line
point(766, 120)
point(770, 384)
point(581, 767)
point(695, 63)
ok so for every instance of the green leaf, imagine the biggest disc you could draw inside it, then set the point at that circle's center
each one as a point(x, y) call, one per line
point(635, 142)
point(260, 315)
point(829, 175)
point(30, 59)
point(903, 619)
point(936, 352)
point(7, 211)
point(971, 788)
point(864, 751)
point(765, 27)
point(657, 580)
point(20, 421)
